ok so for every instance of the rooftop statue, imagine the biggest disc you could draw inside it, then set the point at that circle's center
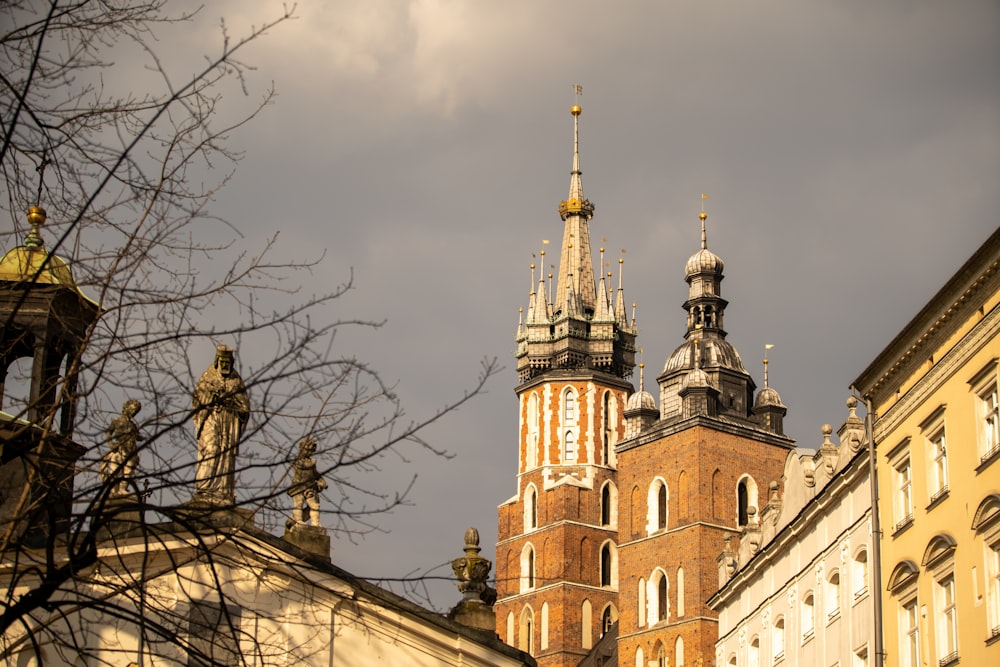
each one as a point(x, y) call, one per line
point(221, 409)
point(118, 463)
point(306, 486)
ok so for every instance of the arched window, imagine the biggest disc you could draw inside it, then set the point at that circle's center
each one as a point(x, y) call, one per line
point(527, 568)
point(639, 662)
point(586, 625)
point(661, 655)
point(778, 637)
point(606, 440)
point(569, 446)
point(661, 507)
point(682, 496)
point(718, 495)
point(510, 628)
point(832, 595)
point(656, 516)
point(808, 615)
point(679, 652)
point(526, 631)
point(746, 497)
point(531, 448)
point(680, 591)
point(609, 564)
point(634, 513)
point(569, 407)
point(661, 599)
point(530, 508)
point(544, 635)
point(609, 504)
point(753, 654)
point(859, 573)
point(641, 611)
point(608, 618)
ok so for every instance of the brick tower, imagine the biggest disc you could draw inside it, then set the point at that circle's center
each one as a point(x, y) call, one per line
point(691, 470)
point(557, 554)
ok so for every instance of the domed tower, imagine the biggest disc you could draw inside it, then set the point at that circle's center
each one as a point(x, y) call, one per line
point(557, 554)
point(719, 360)
point(45, 319)
point(688, 480)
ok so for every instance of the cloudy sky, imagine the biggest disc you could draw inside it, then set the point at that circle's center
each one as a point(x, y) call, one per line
point(851, 151)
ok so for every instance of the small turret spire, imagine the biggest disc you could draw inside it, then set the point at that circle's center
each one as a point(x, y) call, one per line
point(767, 346)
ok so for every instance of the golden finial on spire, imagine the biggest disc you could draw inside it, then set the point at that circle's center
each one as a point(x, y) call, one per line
point(767, 346)
point(36, 218)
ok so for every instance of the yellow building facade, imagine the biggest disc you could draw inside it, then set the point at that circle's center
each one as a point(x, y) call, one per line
point(934, 395)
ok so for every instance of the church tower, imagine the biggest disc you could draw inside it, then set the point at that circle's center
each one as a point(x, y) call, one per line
point(46, 319)
point(557, 554)
point(689, 479)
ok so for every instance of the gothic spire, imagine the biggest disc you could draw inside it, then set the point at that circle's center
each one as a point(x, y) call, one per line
point(576, 270)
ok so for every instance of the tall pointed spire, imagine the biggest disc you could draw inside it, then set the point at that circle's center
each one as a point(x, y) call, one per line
point(581, 326)
point(576, 270)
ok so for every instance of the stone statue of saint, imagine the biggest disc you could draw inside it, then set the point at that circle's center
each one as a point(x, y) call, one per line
point(221, 410)
point(306, 486)
point(118, 463)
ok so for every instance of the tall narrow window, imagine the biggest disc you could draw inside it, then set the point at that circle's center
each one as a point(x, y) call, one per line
point(544, 634)
point(641, 606)
point(753, 654)
point(527, 568)
point(656, 501)
point(947, 621)
point(679, 652)
point(742, 502)
point(569, 452)
point(606, 448)
point(661, 656)
point(661, 598)
point(586, 625)
point(938, 464)
point(530, 508)
point(661, 506)
point(680, 591)
point(606, 565)
point(903, 506)
point(526, 639)
point(746, 497)
point(909, 634)
point(608, 618)
point(531, 446)
point(832, 595)
point(859, 574)
point(989, 423)
point(808, 615)
point(778, 638)
point(606, 505)
point(569, 406)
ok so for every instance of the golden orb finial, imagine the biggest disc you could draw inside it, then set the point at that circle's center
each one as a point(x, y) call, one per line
point(575, 110)
point(36, 215)
point(703, 216)
point(36, 218)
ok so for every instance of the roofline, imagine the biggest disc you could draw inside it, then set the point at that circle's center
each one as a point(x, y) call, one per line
point(931, 316)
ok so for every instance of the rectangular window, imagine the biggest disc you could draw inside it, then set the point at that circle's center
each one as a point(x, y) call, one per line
point(989, 424)
point(909, 634)
point(904, 494)
point(993, 588)
point(947, 621)
point(938, 464)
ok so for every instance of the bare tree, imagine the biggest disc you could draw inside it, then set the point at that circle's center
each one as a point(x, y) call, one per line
point(126, 179)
